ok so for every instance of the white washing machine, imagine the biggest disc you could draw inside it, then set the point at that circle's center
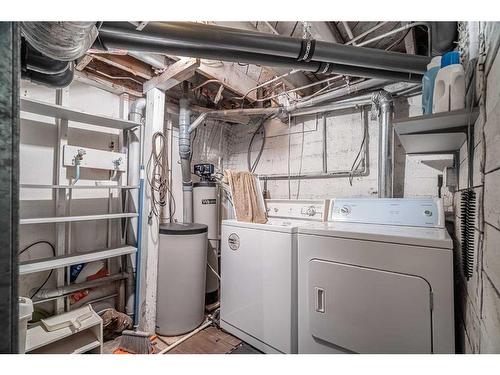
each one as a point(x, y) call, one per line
point(259, 275)
point(376, 278)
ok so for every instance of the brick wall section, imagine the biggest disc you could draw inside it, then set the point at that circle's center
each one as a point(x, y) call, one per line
point(478, 299)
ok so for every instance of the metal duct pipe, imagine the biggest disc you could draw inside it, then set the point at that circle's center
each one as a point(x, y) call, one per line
point(383, 101)
point(179, 37)
point(136, 113)
point(59, 80)
point(64, 41)
point(359, 101)
point(38, 62)
point(185, 156)
point(365, 85)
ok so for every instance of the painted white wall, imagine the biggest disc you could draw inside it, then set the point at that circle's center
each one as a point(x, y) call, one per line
point(344, 136)
point(38, 140)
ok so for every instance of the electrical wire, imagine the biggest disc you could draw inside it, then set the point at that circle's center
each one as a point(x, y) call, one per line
point(253, 166)
point(362, 147)
point(302, 156)
point(157, 170)
point(51, 271)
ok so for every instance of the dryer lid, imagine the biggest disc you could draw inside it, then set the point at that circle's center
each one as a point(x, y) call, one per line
point(404, 235)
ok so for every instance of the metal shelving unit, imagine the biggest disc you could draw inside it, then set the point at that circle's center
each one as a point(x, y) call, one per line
point(440, 133)
point(62, 195)
point(46, 264)
point(88, 187)
point(69, 114)
point(67, 219)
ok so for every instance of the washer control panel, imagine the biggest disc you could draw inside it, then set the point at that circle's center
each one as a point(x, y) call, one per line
point(314, 210)
point(420, 212)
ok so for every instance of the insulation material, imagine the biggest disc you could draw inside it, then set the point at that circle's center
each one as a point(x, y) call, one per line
point(247, 199)
point(64, 41)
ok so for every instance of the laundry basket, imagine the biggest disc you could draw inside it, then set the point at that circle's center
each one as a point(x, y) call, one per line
point(182, 262)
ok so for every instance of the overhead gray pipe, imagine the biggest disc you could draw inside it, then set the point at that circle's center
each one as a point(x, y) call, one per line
point(185, 156)
point(208, 41)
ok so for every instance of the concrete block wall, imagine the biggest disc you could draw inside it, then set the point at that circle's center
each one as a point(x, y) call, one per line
point(413, 176)
point(478, 299)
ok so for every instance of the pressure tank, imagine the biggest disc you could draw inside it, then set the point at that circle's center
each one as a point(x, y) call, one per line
point(205, 211)
point(182, 259)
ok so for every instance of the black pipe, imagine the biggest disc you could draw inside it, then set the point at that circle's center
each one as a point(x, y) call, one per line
point(138, 43)
point(37, 62)
point(174, 37)
point(59, 80)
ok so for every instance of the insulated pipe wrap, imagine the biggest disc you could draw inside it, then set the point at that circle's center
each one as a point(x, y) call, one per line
point(38, 62)
point(184, 38)
point(60, 80)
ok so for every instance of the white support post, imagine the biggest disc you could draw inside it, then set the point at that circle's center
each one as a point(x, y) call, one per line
point(60, 178)
point(155, 110)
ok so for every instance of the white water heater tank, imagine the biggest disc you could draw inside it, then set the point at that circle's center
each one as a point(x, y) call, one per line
point(206, 211)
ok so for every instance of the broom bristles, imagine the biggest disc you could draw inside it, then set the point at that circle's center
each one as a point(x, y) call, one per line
point(136, 342)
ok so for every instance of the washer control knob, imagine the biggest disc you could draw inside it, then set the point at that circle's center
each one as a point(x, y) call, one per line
point(311, 211)
point(428, 213)
point(345, 210)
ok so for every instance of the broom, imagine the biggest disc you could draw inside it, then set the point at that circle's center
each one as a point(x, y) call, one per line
point(135, 342)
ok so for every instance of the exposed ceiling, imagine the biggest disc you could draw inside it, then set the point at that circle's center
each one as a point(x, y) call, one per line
point(122, 73)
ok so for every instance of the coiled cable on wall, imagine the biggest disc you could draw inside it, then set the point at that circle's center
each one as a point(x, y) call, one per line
point(157, 176)
point(261, 127)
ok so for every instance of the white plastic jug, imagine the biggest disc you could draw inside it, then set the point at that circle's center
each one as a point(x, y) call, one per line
point(449, 89)
point(428, 84)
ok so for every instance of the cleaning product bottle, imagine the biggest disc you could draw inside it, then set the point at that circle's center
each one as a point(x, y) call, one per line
point(428, 84)
point(449, 87)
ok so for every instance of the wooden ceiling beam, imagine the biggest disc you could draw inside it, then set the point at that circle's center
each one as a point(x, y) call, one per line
point(173, 75)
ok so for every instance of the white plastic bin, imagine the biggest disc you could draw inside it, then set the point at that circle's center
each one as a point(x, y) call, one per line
point(25, 314)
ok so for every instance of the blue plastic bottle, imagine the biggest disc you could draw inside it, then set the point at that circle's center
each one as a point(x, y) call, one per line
point(428, 84)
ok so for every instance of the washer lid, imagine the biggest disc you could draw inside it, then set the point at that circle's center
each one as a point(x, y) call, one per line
point(286, 226)
point(180, 229)
point(417, 236)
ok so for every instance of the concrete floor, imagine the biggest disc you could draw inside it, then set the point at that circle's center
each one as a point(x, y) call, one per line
point(211, 340)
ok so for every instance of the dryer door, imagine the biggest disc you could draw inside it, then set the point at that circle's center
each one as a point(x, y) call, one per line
point(365, 310)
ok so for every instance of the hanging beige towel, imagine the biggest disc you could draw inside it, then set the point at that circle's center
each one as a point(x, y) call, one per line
point(247, 201)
